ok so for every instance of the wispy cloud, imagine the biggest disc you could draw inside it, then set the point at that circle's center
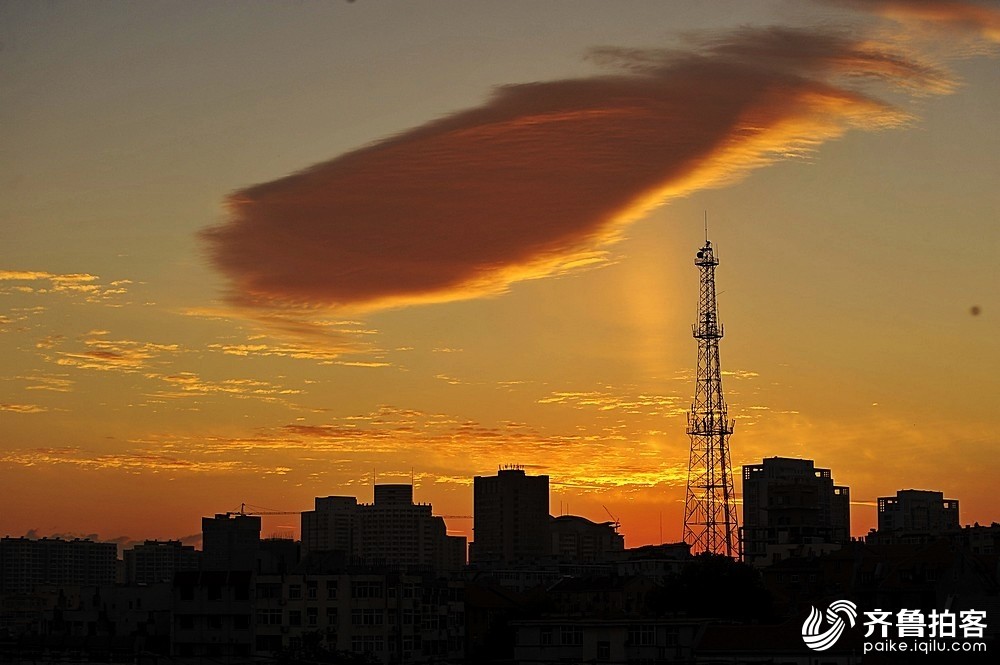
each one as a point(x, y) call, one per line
point(446, 447)
point(80, 284)
point(543, 176)
point(138, 462)
point(190, 384)
point(56, 384)
point(615, 400)
point(100, 353)
point(22, 408)
point(965, 17)
point(294, 332)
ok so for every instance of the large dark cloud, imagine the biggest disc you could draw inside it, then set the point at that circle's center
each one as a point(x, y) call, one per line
point(543, 175)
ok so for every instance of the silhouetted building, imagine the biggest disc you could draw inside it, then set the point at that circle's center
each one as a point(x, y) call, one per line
point(393, 530)
point(657, 562)
point(577, 539)
point(599, 639)
point(111, 623)
point(331, 525)
point(791, 508)
point(917, 510)
point(387, 617)
point(230, 542)
point(511, 518)
point(981, 539)
point(212, 615)
point(26, 563)
point(158, 560)
point(278, 555)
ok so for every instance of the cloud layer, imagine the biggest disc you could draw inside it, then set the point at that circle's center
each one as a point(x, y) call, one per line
point(542, 177)
point(976, 19)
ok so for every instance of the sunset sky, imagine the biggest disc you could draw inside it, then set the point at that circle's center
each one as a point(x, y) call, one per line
point(258, 252)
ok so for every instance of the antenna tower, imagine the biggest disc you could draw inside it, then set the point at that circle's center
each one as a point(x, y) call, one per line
point(710, 521)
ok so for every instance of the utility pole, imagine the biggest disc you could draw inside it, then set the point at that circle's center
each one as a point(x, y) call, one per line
point(710, 519)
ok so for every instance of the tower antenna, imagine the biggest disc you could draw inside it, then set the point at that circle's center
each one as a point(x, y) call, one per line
point(710, 520)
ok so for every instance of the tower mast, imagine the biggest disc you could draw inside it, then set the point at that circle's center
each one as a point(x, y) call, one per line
point(710, 520)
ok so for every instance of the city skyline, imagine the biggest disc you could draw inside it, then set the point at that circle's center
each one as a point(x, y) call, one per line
point(264, 255)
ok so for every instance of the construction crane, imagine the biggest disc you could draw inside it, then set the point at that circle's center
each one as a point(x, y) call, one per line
point(616, 523)
point(455, 517)
point(243, 512)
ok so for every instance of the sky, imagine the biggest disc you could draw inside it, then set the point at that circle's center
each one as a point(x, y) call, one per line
point(262, 252)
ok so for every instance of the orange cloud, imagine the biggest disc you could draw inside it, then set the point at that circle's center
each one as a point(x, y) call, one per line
point(22, 408)
point(981, 19)
point(299, 333)
point(543, 176)
point(189, 384)
point(80, 284)
point(113, 355)
point(139, 462)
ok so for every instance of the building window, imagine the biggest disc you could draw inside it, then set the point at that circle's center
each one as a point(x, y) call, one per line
point(312, 616)
point(367, 643)
point(267, 617)
point(294, 617)
point(604, 651)
point(641, 635)
point(294, 591)
point(312, 590)
point(571, 635)
point(366, 590)
point(367, 617)
point(331, 588)
point(268, 591)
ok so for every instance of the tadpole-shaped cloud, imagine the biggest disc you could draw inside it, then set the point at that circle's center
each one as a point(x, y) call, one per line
point(543, 176)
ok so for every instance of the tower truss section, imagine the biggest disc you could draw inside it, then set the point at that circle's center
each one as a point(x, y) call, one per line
point(710, 518)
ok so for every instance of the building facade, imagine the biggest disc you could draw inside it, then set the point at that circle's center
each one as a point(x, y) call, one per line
point(391, 531)
point(388, 617)
point(792, 508)
point(156, 561)
point(917, 511)
point(577, 539)
point(27, 563)
point(230, 542)
point(511, 518)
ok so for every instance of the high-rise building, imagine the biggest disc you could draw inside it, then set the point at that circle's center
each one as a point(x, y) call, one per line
point(392, 530)
point(917, 510)
point(27, 563)
point(710, 521)
point(158, 561)
point(331, 525)
point(792, 508)
point(511, 518)
point(230, 541)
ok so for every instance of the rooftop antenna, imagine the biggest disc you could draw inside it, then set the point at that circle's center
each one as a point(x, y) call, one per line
point(706, 227)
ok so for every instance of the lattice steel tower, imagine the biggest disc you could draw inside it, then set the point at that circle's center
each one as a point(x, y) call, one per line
point(710, 521)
